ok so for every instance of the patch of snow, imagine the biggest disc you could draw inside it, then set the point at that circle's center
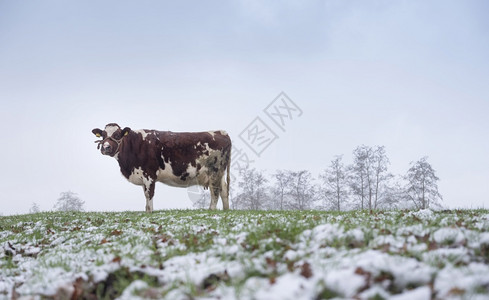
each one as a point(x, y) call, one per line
point(394, 241)
point(417, 230)
point(293, 255)
point(467, 278)
point(32, 251)
point(417, 248)
point(448, 235)
point(321, 235)
point(344, 281)
point(405, 270)
point(241, 237)
point(356, 234)
point(4, 287)
point(288, 286)
point(373, 292)
point(421, 293)
point(484, 238)
point(129, 292)
point(48, 283)
point(423, 214)
point(444, 256)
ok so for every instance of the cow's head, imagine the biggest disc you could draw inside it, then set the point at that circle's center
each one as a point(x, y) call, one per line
point(112, 137)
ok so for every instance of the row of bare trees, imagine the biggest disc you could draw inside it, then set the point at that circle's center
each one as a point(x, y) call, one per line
point(366, 183)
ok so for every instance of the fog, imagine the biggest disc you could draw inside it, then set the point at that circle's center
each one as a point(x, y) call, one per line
point(409, 75)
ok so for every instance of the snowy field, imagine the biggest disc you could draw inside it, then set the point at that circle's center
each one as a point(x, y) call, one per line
point(246, 255)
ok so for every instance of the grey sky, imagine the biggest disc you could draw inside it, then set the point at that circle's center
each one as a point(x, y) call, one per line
point(409, 75)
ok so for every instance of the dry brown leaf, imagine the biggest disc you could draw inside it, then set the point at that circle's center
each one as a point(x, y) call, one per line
point(306, 271)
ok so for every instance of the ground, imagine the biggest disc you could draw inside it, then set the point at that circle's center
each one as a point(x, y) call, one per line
point(197, 254)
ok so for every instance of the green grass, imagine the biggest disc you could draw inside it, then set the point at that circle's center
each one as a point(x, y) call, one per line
point(136, 246)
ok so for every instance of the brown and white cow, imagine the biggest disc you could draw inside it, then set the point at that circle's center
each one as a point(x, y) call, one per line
point(178, 159)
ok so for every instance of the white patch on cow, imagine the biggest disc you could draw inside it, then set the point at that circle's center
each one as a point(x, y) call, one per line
point(147, 182)
point(143, 133)
point(106, 144)
point(111, 129)
point(192, 171)
point(137, 176)
point(206, 145)
point(166, 176)
point(213, 133)
point(203, 178)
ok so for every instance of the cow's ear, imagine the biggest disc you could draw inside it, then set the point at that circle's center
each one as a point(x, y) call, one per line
point(97, 132)
point(126, 131)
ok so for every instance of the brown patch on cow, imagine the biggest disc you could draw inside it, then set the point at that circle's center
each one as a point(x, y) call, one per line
point(177, 149)
point(161, 163)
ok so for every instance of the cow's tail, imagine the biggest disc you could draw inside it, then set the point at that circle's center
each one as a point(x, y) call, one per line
point(228, 171)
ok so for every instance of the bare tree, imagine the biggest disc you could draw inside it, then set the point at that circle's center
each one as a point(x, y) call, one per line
point(283, 179)
point(369, 176)
point(334, 190)
point(34, 208)
point(393, 194)
point(301, 190)
point(360, 179)
point(69, 201)
point(422, 187)
point(253, 190)
point(381, 176)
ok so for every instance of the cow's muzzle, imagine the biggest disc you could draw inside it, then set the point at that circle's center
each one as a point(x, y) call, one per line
point(107, 148)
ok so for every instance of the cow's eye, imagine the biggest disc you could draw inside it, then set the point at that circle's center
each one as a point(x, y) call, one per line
point(117, 135)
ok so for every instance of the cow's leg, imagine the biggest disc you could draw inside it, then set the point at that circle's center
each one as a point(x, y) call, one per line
point(149, 192)
point(214, 189)
point(224, 194)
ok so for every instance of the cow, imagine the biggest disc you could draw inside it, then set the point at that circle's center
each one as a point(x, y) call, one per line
point(179, 159)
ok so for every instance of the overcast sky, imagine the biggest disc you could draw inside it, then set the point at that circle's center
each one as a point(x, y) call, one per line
point(409, 75)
